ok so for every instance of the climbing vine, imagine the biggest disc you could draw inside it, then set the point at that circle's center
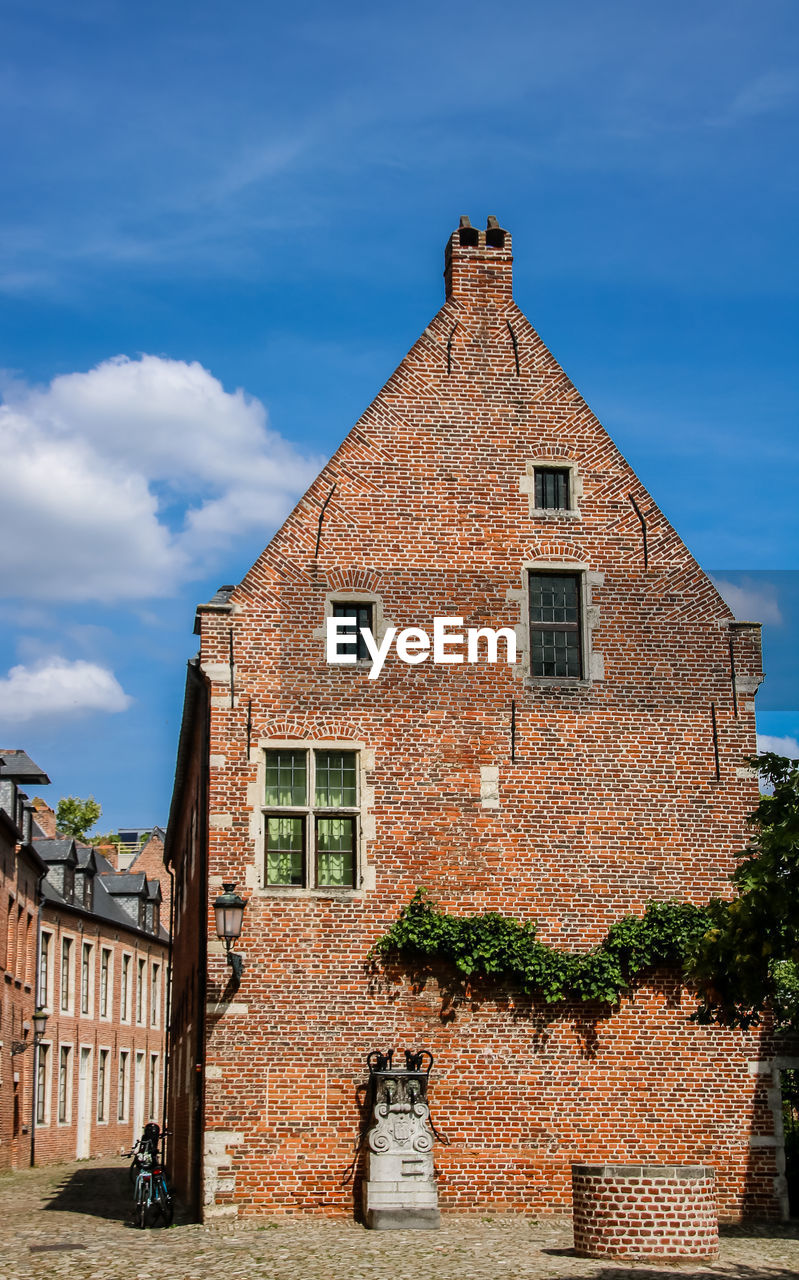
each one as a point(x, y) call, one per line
point(494, 946)
point(741, 954)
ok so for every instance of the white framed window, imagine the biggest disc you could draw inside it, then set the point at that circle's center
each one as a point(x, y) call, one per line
point(43, 1082)
point(67, 983)
point(65, 1084)
point(106, 981)
point(155, 993)
point(123, 1085)
point(154, 1099)
point(141, 966)
point(311, 816)
point(103, 1061)
point(125, 987)
point(44, 996)
point(87, 980)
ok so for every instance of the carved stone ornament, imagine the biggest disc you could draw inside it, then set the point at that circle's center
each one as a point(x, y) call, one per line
point(400, 1190)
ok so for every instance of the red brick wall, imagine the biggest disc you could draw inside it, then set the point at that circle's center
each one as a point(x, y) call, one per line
point(18, 915)
point(645, 1211)
point(612, 799)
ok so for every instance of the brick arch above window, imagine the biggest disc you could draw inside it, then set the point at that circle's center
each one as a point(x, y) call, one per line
point(554, 550)
point(350, 578)
point(305, 727)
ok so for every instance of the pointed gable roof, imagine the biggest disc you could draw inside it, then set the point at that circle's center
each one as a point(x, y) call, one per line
point(477, 398)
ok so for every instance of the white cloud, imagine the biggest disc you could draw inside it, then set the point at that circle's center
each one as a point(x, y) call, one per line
point(751, 601)
point(55, 687)
point(119, 483)
point(784, 746)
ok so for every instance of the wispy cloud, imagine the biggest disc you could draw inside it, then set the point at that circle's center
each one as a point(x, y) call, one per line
point(782, 746)
point(772, 91)
point(751, 601)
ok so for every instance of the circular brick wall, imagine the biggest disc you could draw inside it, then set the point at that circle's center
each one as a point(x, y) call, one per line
point(644, 1211)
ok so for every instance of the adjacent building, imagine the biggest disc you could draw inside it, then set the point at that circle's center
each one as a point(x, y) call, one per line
point(86, 945)
point(603, 767)
point(21, 873)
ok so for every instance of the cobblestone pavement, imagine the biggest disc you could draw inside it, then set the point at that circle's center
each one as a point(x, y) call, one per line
point(72, 1221)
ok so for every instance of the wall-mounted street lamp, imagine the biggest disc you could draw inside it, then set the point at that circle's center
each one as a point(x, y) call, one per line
point(39, 1024)
point(229, 911)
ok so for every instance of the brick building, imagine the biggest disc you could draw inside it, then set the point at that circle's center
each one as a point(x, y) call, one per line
point(603, 768)
point(103, 982)
point(21, 871)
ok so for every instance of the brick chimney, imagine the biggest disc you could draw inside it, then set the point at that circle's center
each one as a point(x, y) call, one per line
point(478, 265)
point(44, 817)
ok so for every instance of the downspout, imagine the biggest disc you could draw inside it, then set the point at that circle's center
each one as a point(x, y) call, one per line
point(168, 1011)
point(36, 994)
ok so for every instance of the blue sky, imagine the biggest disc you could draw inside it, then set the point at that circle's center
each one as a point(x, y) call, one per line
point(223, 226)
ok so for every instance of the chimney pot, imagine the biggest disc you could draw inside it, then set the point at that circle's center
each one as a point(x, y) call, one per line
point(478, 265)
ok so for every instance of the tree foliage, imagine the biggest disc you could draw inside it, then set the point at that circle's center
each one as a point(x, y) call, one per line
point(749, 957)
point(75, 817)
point(741, 954)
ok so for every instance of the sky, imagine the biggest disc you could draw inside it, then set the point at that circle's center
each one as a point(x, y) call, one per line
point(222, 227)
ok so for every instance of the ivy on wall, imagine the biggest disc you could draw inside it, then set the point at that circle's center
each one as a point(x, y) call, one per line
point(493, 946)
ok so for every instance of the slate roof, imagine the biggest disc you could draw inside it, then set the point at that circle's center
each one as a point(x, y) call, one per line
point(19, 766)
point(123, 883)
point(108, 884)
point(57, 850)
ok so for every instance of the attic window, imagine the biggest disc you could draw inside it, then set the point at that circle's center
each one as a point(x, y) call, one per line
point(552, 488)
point(361, 613)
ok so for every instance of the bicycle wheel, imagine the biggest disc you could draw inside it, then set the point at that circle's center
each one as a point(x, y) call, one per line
point(164, 1201)
point(143, 1192)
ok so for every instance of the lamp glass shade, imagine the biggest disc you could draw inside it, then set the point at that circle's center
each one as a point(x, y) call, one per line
point(39, 1022)
point(229, 911)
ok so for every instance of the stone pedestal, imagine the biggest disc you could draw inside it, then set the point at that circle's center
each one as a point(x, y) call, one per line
point(399, 1191)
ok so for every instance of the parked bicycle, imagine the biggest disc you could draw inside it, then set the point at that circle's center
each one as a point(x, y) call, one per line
point(152, 1198)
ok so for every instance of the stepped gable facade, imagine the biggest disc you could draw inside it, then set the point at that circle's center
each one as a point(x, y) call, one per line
point(604, 768)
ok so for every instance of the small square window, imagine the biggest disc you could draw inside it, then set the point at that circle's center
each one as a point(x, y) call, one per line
point(555, 626)
point(552, 488)
point(335, 852)
point(335, 779)
point(361, 615)
point(285, 850)
point(286, 778)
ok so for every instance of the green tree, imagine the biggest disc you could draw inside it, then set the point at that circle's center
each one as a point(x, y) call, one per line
point(749, 957)
point(75, 817)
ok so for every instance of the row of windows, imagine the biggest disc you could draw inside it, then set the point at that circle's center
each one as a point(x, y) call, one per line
point(140, 1003)
point(554, 614)
point(18, 951)
point(145, 1080)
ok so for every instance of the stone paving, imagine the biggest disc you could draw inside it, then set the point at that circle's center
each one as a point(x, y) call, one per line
point(71, 1221)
